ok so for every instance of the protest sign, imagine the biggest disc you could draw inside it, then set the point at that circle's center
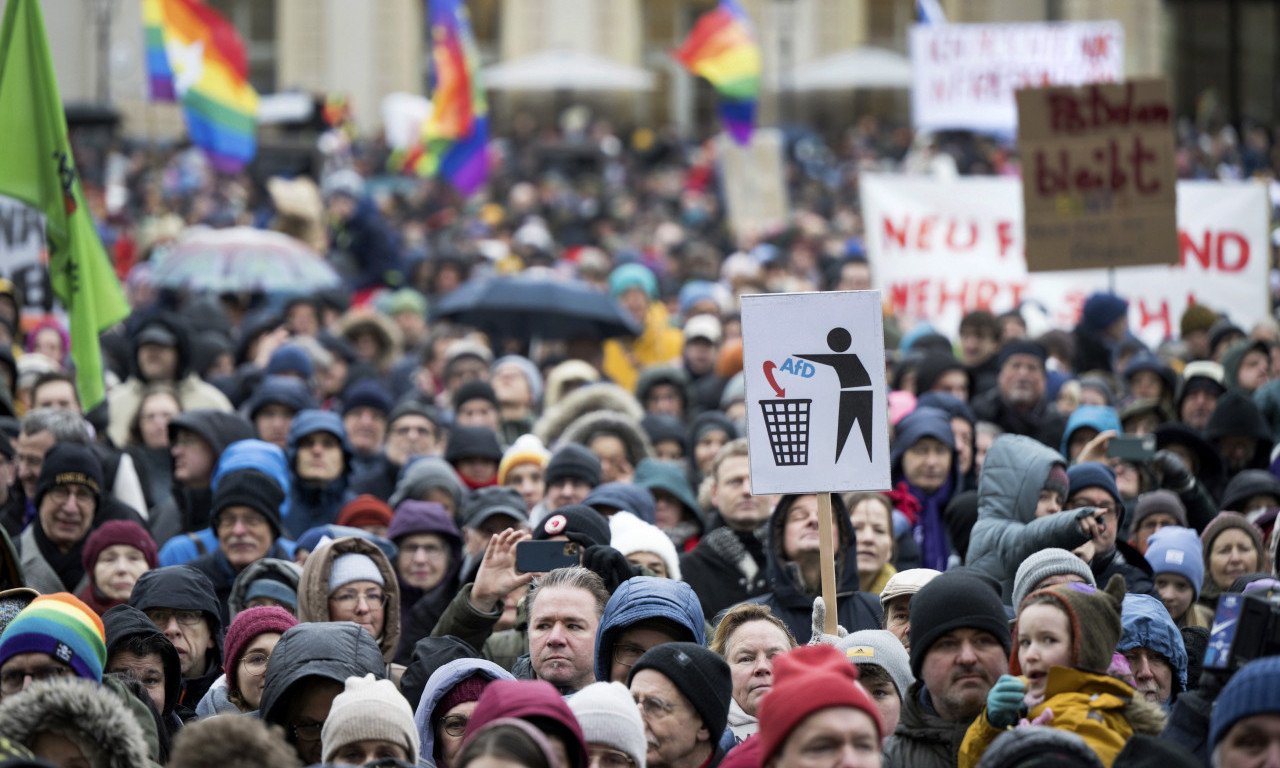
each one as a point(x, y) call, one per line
point(754, 183)
point(816, 400)
point(964, 75)
point(22, 252)
point(941, 248)
point(1098, 177)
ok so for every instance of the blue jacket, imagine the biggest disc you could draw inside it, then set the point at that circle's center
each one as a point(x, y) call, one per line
point(311, 504)
point(1100, 417)
point(646, 597)
point(1145, 623)
point(438, 686)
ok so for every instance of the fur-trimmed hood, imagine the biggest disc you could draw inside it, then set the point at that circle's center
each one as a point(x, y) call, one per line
point(587, 427)
point(86, 712)
point(389, 337)
point(313, 588)
point(584, 400)
point(284, 571)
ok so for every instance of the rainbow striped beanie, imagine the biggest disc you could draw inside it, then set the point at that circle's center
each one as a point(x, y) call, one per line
point(63, 627)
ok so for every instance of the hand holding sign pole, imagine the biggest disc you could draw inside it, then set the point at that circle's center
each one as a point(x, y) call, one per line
point(803, 405)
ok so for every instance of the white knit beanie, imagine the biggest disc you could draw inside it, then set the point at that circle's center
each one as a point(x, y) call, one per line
point(609, 716)
point(353, 566)
point(370, 709)
point(629, 534)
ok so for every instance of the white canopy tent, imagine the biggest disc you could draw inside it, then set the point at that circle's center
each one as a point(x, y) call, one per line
point(863, 67)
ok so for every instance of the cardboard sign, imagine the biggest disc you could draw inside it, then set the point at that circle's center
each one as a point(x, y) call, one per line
point(964, 75)
point(941, 248)
point(754, 183)
point(1098, 176)
point(816, 395)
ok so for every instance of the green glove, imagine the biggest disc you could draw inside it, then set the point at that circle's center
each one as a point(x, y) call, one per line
point(1004, 702)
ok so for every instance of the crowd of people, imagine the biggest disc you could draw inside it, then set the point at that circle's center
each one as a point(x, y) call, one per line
point(292, 533)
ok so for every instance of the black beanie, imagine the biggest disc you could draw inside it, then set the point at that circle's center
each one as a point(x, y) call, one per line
point(67, 463)
point(955, 600)
point(472, 443)
point(474, 390)
point(701, 675)
point(1022, 347)
point(248, 488)
point(575, 462)
point(578, 522)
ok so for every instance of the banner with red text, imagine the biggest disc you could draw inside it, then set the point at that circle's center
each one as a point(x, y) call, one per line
point(941, 248)
point(964, 75)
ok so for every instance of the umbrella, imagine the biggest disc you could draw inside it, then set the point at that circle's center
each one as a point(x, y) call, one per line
point(243, 259)
point(536, 307)
point(560, 69)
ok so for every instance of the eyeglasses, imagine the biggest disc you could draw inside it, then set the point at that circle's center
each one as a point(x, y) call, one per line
point(227, 521)
point(12, 680)
point(349, 600)
point(603, 757)
point(162, 616)
point(455, 725)
point(432, 551)
point(255, 663)
point(60, 493)
point(309, 732)
point(626, 655)
point(655, 707)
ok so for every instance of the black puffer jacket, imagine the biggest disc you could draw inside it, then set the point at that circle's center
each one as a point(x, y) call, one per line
point(181, 588)
point(332, 650)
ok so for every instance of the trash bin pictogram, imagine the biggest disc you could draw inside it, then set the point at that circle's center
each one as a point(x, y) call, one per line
point(787, 422)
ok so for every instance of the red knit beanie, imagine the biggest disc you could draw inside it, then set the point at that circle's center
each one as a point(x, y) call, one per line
point(365, 510)
point(115, 532)
point(247, 625)
point(468, 689)
point(805, 680)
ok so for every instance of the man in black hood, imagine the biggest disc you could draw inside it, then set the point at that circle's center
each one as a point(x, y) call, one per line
point(181, 602)
point(198, 439)
point(138, 649)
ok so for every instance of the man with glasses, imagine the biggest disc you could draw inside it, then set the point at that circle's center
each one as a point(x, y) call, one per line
point(55, 636)
point(611, 725)
point(683, 692)
point(1093, 484)
point(645, 612)
point(413, 429)
point(66, 498)
point(181, 602)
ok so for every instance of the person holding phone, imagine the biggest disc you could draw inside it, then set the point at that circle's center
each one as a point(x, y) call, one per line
point(1093, 484)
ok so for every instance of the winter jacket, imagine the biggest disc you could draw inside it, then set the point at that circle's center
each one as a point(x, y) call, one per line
point(188, 510)
point(372, 246)
point(1008, 531)
point(1145, 623)
point(646, 597)
point(461, 620)
point(921, 423)
point(1100, 709)
point(223, 576)
point(792, 603)
point(282, 570)
point(37, 570)
point(589, 426)
point(1042, 422)
point(923, 739)
point(1188, 724)
point(1126, 561)
point(723, 570)
point(182, 588)
point(438, 686)
point(313, 589)
point(10, 563)
point(585, 400)
point(331, 650)
point(419, 609)
point(1236, 414)
point(311, 504)
point(91, 711)
point(379, 477)
point(659, 344)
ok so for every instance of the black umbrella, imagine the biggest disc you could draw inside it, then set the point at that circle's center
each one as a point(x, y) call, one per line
point(535, 307)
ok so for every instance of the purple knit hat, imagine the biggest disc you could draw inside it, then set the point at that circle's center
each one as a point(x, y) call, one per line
point(247, 625)
point(115, 532)
point(413, 516)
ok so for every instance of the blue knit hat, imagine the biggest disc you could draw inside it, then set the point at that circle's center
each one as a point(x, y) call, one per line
point(1253, 690)
point(632, 276)
point(1102, 309)
point(1093, 474)
point(1177, 550)
point(290, 358)
point(367, 393)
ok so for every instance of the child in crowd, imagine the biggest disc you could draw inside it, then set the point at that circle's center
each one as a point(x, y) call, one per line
point(1176, 560)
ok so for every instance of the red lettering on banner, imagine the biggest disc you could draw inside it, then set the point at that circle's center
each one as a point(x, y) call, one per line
point(893, 235)
point(1223, 251)
point(952, 243)
point(1201, 254)
point(1108, 170)
point(1071, 115)
point(1159, 315)
point(925, 231)
point(1004, 235)
point(931, 297)
point(1239, 252)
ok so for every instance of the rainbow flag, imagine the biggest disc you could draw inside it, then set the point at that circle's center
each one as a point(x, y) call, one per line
point(196, 57)
point(722, 48)
point(455, 135)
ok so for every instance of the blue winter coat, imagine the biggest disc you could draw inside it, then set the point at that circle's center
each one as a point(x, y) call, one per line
point(1145, 623)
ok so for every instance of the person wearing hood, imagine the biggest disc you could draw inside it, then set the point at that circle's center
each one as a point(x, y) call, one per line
point(361, 237)
point(1153, 646)
point(448, 701)
point(246, 518)
point(1246, 366)
point(474, 454)
point(413, 430)
point(309, 667)
point(275, 404)
point(1020, 497)
point(643, 612)
point(664, 390)
point(428, 560)
point(794, 567)
point(197, 440)
point(675, 506)
point(181, 602)
point(1093, 485)
point(430, 478)
point(320, 465)
point(636, 288)
point(517, 385)
point(1239, 432)
point(250, 640)
point(615, 438)
point(161, 354)
point(115, 555)
point(707, 434)
point(75, 722)
point(350, 579)
point(269, 581)
point(924, 467)
point(1084, 424)
point(138, 649)
point(539, 704)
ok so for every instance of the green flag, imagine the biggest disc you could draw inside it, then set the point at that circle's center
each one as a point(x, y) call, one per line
point(37, 168)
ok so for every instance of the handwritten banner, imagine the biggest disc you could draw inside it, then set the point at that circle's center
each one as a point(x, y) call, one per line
point(939, 249)
point(965, 75)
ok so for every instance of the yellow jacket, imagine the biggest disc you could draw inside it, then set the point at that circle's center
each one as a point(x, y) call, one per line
point(659, 344)
point(1100, 709)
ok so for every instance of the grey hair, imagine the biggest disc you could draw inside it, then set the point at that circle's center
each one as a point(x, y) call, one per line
point(576, 577)
point(67, 427)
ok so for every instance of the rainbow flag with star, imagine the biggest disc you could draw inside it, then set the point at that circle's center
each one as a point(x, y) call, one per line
point(722, 48)
point(456, 134)
point(194, 56)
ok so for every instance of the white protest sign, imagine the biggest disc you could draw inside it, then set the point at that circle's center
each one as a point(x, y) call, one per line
point(816, 396)
point(941, 248)
point(964, 75)
point(754, 183)
point(22, 250)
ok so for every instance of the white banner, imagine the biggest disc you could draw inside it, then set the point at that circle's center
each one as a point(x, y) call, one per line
point(22, 251)
point(965, 74)
point(941, 248)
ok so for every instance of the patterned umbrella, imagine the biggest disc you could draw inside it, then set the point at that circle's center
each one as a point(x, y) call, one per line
point(243, 259)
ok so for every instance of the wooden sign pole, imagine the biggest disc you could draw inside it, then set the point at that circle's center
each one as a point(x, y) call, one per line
point(827, 550)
